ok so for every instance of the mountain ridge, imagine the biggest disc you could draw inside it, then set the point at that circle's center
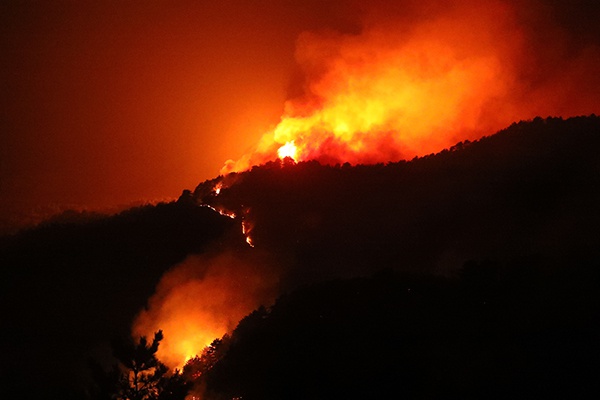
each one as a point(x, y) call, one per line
point(528, 182)
point(528, 192)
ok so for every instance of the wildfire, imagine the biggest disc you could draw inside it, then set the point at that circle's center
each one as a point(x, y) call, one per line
point(246, 225)
point(217, 188)
point(288, 150)
point(203, 298)
point(225, 213)
point(388, 94)
point(246, 229)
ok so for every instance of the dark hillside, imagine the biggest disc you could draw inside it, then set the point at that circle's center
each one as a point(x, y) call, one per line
point(498, 332)
point(531, 189)
point(525, 198)
point(69, 287)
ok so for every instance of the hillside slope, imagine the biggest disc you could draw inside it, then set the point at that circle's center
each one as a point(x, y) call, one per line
point(530, 192)
point(69, 287)
point(531, 189)
point(516, 331)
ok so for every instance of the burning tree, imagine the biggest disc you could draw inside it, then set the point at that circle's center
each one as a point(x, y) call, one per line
point(196, 368)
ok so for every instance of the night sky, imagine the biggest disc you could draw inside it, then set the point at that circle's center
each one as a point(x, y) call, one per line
point(108, 103)
point(105, 104)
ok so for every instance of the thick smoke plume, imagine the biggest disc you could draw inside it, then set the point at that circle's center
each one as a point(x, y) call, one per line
point(421, 76)
point(203, 298)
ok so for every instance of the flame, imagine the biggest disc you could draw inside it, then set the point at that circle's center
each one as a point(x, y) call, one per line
point(247, 227)
point(221, 211)
point(203, 298)
point(217, 188)
point(400, 102)
point(288, 150)
point(384, 95)
point(393, 92)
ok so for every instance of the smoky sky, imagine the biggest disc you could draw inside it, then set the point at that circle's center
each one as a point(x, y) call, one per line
point(105, 104)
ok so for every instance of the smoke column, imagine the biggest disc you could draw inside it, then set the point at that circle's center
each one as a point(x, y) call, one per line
point(421, 76)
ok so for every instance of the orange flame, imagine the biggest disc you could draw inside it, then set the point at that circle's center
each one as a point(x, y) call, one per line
point(379, 97)
point(288, 150)
point(393, 93)
point(202, 299)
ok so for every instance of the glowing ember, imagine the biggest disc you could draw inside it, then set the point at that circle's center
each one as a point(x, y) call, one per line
point(246, 228)
point(220, 211)
point(288, 150)
point(217, 188)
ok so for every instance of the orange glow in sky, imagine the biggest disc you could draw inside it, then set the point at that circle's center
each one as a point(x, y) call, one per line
point(110, 103)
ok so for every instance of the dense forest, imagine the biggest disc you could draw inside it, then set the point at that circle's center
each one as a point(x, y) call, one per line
point(471, 273)
point(517, 331)
point(532, 188)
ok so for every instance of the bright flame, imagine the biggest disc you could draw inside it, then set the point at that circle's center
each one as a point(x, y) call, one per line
point(220, 211)
point(217, 188)
point(394, 92)
point(402, 102)
point(288, 150)
point(202, 299)
point(246, 229)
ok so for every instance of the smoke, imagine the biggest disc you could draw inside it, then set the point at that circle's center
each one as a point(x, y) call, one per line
point(421, 76)
point(203, 298)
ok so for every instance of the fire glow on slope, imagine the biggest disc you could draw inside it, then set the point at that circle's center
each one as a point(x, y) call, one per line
point(203, 298)
point(412, 85)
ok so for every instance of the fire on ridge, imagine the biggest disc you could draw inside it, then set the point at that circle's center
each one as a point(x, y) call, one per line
point(404, 88)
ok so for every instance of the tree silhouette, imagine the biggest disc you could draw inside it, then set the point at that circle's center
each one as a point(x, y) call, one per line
point(139, 375)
